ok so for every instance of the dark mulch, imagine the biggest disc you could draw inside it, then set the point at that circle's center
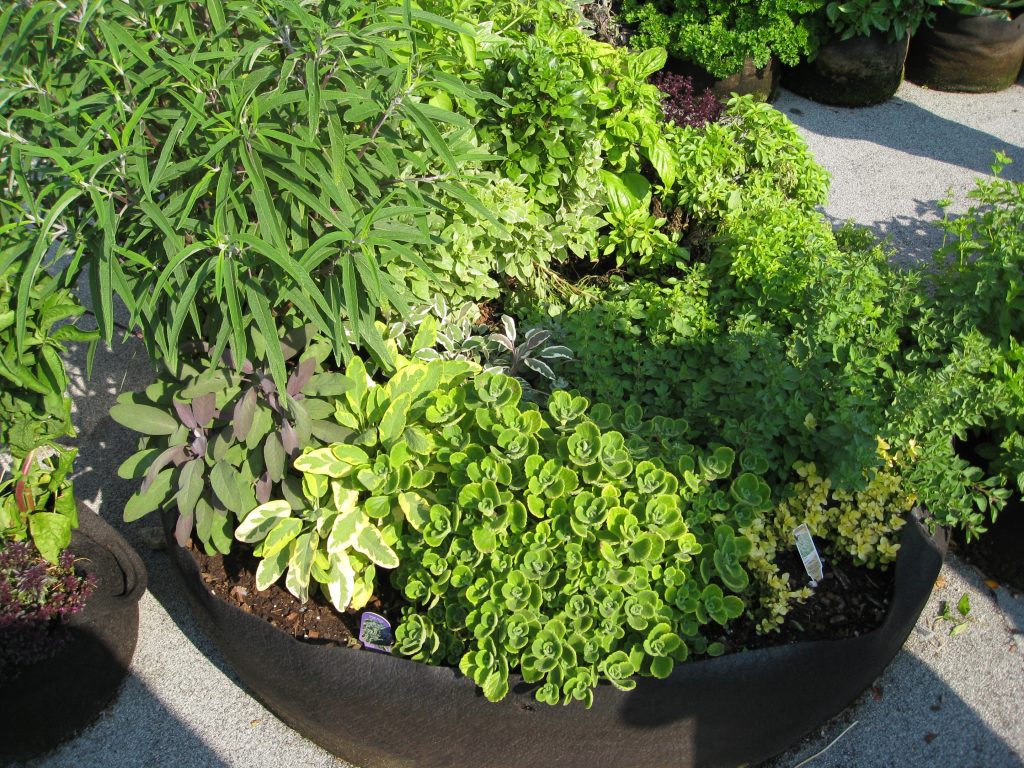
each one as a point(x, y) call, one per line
point(849, 601)
point(233, 579)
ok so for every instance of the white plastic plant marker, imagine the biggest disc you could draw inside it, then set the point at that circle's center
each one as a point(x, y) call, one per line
point(808, 553)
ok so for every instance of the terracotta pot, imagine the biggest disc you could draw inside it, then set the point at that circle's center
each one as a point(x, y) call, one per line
point(971, 54)
point(760, 82)
point(46, 702)
point(851, 73)
point(381, 711)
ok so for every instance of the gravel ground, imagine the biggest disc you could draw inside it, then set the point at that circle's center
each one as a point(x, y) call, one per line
point(945, 700)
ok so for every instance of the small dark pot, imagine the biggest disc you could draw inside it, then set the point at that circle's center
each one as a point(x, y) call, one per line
point(970, 54)
point(760, 82)
point(381, 711)
point(46, 702)
point(851, 73)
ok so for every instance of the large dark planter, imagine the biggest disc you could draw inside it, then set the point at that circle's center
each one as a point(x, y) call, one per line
point(380, 711)
point(973, 54)
point(760, 82)
point(46, 702)
point(851, 73)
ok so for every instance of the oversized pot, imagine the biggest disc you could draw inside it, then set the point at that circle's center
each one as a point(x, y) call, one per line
point(760, 82)
point(48, 701)
point(381, 711)
point(851, 73)
point(972, 54)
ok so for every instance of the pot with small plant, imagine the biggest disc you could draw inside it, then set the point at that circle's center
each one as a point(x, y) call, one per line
point(973, 47)
point(863, 48)
point(69, 584)
point(729, 47)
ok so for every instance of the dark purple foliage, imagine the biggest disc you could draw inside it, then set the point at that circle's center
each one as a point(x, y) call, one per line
point(35, 600)
point(681, 105)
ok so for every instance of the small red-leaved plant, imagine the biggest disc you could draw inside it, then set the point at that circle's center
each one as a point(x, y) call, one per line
point(36, 598)
point(682, 105)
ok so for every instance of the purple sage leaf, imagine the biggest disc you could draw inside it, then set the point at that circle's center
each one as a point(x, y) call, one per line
point(510, 327)
point(245, 411)
point(263, 487)
point(185, 414)
point(183, 529)
point(504, 341)
point(289, 440)
point(301, 377)
point(204, 408)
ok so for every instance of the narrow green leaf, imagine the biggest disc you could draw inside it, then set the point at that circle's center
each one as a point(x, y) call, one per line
point(431, 135)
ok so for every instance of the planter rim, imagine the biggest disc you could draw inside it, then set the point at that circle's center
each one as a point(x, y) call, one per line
point(444, 696)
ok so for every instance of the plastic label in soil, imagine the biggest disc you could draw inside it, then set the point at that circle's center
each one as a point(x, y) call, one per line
point(808, 553)
point(375, 632)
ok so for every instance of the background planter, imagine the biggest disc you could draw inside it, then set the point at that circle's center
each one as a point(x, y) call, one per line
point(973, 54)
point(760, 82)
point(851, 73)
point(52, 699)
point(380, 711)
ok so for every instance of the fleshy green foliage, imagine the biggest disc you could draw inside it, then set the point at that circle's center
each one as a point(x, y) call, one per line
point(545, 542)
point(35, 409)
point(895, 18)
point(222, 166)
point(720, 36)
point(356, 494)
point(37, 502)
point(36, 597)
point(214, 443)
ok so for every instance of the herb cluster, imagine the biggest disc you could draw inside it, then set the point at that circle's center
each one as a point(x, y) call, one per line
point(454, 295)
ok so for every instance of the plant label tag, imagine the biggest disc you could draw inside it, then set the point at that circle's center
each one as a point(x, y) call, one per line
point(808, 553)
point(375, 632)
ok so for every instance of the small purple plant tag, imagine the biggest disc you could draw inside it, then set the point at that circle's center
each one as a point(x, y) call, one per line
point(375, 632)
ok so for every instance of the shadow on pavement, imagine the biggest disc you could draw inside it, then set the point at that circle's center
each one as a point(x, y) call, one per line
point(154, 736)
point(909, 718)
point(907, 127)
point(913, 715)
point(914, 237)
